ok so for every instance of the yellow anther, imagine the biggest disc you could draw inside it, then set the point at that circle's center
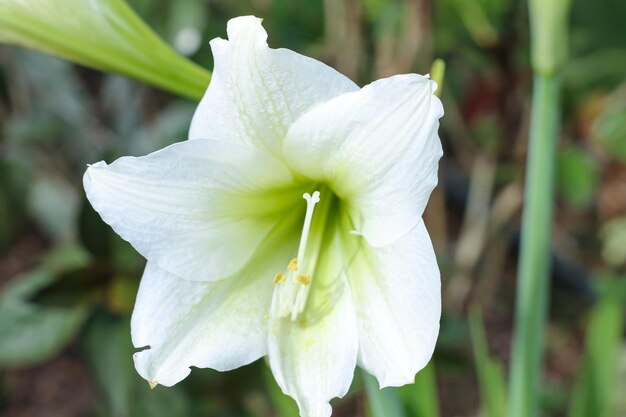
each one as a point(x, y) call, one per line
point(303, 279)
point(278, 278)
point(293, 265)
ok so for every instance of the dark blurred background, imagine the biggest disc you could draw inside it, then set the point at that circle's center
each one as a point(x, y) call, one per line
point(67, 282)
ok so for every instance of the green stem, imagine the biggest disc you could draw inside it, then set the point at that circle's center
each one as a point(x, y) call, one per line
point(534, 264)
point(381, 402)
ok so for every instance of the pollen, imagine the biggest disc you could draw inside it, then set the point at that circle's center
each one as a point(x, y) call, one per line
point(293, 265)
point(279, 277)
point(303, 279)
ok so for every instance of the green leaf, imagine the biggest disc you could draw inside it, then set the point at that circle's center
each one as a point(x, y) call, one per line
point(282, 404)
point(594, 391)
point(13, 191)
point(95, 234)
point(107, 348)
point(53, 203)
point(381, 402)
point(78, 286)
point(374, 8)
point(33, 333)
point(477, 22)
point(102, 34)
point(109, 352)
point(420, 398)
point(577, 176)
point(613, 235)
point(490, 375)
point(610, 127)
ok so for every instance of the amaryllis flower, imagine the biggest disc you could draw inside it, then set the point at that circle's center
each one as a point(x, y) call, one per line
point(289, 225)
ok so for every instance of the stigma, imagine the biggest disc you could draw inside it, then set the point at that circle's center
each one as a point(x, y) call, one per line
point(292, 287)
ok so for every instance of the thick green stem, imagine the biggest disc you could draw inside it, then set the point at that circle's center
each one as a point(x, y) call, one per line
point(381, 402)
point(534, 263)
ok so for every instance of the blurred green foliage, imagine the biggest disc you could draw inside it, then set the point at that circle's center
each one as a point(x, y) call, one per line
point(381, 402)
point(614, 242)
point(595, 390)
point(108, 352)
point(32, 333)
point(421, 398)
point(490, 372)
point(610, 128)
point(577, 176)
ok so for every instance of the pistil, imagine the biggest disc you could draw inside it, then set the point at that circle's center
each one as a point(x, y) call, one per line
point(292, 288)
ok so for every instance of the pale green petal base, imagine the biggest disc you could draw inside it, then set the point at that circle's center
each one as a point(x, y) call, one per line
point(378, 149)
point(197, 209)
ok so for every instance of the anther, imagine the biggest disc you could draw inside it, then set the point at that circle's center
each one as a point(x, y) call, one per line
point(293, 265)
point(279, 277)
point(303, 279)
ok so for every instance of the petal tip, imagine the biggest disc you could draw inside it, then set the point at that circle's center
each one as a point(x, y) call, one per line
point(91, 174)
point(246, 27)
point(387, 381)
point(156, 373)
point(99, 164)
point(94, 169)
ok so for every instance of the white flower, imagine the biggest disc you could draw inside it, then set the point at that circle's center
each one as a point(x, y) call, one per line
point(240, 266)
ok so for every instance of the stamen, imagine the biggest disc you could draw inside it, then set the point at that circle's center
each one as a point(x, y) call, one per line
point(293, 265)
point(279, 277)
point(289, 298)
point(303, 279)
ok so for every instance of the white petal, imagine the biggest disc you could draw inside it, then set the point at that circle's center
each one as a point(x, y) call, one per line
point(378, 149)
point(197, 209)
point(397, 297)
point(256, 92)
point(220, 325)
point(313, 359)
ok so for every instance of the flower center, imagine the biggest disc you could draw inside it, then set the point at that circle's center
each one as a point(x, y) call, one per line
point(292, 288)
